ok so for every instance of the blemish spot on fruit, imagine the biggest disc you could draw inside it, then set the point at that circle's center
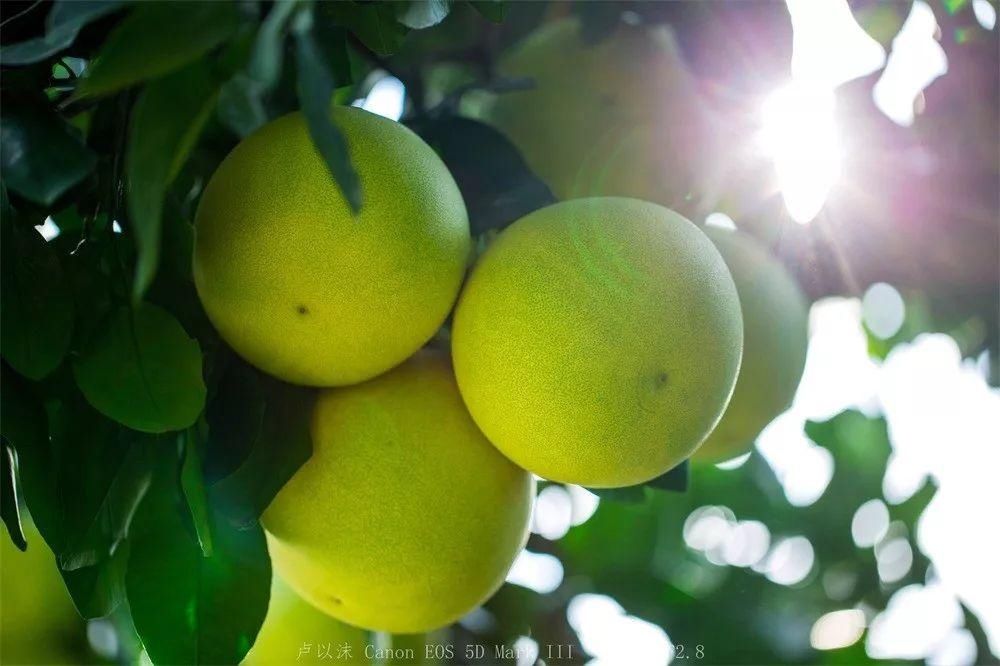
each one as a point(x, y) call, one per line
point(337, 601)
point(661, 379)
point(302, 310)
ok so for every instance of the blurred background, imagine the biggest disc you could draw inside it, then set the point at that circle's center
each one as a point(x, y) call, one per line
point(860, 141)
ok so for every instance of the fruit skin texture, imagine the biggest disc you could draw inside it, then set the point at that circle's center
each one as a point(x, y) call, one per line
point(404, 518)
point(292, 623)
point(620, 117)
point(303, 289)
point(775, 337)
point(598, 340)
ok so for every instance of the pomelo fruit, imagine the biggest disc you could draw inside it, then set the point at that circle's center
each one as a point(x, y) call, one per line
point(296, 632)
point(775, 337)
point(619, 117)
point(302, 288)
point(597, 341)
point(40, 624)
point(405, 517)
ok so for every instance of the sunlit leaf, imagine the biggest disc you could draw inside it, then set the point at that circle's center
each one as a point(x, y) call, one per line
point(143, 371)
point(155, 39)
point(192, 609)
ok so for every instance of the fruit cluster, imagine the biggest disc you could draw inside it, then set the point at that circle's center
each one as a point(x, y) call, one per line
point(597, 341)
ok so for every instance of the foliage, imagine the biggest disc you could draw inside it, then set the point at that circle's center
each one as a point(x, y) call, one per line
point(145, 450)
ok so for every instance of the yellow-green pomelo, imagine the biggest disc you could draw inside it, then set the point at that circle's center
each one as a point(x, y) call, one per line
point(597, 341)
point(301, 287)
point(619, 117)
point(39, 624)
point(404, 518)
point(296, 632)
point(775, 337)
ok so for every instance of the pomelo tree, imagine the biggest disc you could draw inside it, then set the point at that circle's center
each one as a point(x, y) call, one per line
point(148, 423)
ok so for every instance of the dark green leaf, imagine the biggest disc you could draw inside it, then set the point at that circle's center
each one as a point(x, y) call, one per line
point(315, 89)
point(81, 485)
point(241, 99)
point(37, 323)
point(241, 107)
point(494, 10)
point(235, 418)
point(676, 479)
point(157, 38)
point(374, 23)
point(283, 446)
point(41, 155)
point(166, 122)
point(23, 424)
point(268, 54)
point(627, 495)
point(193, 489)
point(101, 525)
point(64, 23)
point(143, 371)
point(422, 13)
point(496, 183)
point(10, 509)
point(192, 609)
point(98, 589)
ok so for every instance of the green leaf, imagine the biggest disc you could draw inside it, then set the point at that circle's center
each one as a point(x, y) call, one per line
point(493, 10)
point(241, 99)
point(23, 424)
point(101, 525)
point(374, 23)
point(193, 489)
point(97, 590)
point(37, 323)
point(192, 609)
point(10, 510)
point(268, 55)
point(157, 38)
point(675, 480)
point(81, 485)
point(626, 495)
point(496, 183)
point(63, 25)
point(166, 122)
point(241, 107)
point(143, 371)
point(283, 446)
point(316, 86)
point(40, 154)
point(235, 416)
point(422, 13)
